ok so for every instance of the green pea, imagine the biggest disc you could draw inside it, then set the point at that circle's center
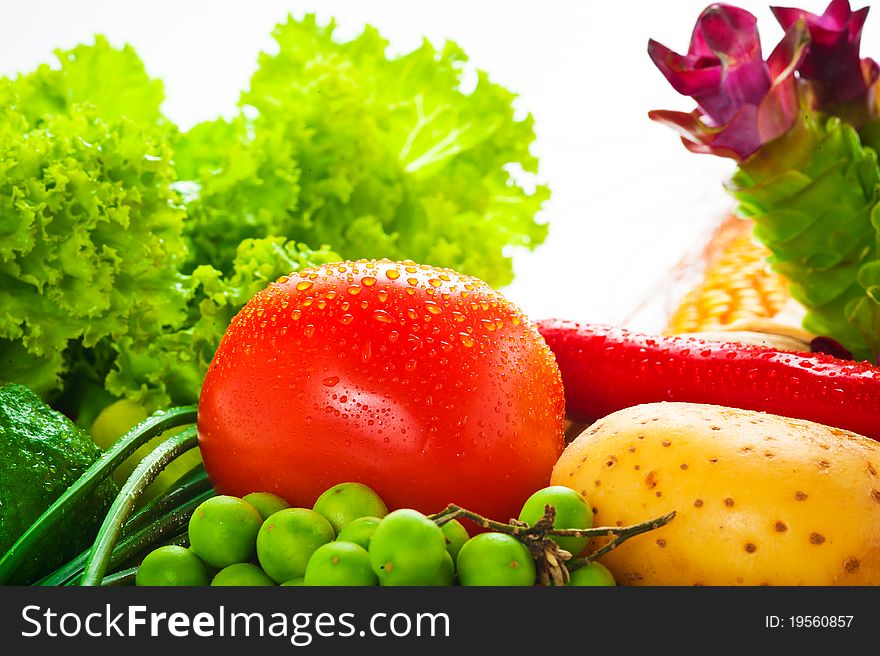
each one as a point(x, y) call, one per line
point(241, 574)
point(266, 503)
point(456, 535)
point(288, 538)
point(340, 563)
point(223, 531)
point(493, 559)
point(359, 531)
point(572, 511)
point(593, 574)
point(347, 501)
point(445, 575)
point(172, 565)
point(407, 548)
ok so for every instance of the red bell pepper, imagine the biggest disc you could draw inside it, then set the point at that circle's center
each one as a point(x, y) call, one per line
point(605, 369)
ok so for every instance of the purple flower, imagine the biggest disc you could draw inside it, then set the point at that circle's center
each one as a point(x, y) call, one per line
point(840, 82)
point(743, 101)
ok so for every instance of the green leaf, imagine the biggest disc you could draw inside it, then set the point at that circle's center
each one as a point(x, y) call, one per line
point(813, 194)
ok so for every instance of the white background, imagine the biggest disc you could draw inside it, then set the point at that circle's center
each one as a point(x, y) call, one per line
point(627, 199)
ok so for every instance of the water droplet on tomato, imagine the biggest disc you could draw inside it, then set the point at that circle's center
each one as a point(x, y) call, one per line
point(309, 330)
point(382, 316)
point(411, 365)
point(432, 307)
point(303, 285)
point(466, 339)
point(368, 281)
point(366, 351)
point(330, 382)
point(393, 274)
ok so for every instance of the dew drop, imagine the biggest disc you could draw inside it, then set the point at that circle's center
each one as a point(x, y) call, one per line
point(303, 285)
point(330, 381)
point(382, 316)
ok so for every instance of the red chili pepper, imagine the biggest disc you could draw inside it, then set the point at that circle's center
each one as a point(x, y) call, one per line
point(605, 369)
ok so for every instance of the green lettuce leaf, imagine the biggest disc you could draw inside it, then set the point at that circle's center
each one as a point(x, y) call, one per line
point(338, 143)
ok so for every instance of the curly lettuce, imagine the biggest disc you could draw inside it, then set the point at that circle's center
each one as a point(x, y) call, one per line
point(338, 143)
point(126, 247)
point(97, 300)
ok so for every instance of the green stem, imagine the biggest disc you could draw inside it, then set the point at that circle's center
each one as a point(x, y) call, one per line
point(125, 577)
point(193, 482)
point(144, 474)
point(91, 478)
point(132, 543)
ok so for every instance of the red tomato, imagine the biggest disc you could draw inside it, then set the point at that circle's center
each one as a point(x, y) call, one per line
point(422, 383)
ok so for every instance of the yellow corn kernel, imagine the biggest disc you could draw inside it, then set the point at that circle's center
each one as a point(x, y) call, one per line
point(738, 285)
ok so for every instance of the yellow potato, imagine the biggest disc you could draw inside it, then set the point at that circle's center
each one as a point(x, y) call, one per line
point(760, 499)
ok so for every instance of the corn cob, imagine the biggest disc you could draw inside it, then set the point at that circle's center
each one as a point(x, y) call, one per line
point(737, 285)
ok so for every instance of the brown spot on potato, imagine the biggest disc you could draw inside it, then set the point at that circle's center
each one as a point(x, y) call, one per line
point(630, 449)
point(698, 503)
point(584, 459)
point(661, 543)
point(728, 502)
point(712, 461)
point(875, 495)
point(636, 467)
point(816, 538)
point(750, 547)
point(745, 449)
point(659, 493)
point(823, 464)
point(683, 466)
point(597, 483)
point(611, 461)
point(651, 480)
point(800, 496)
point(851, 565)
point(715, 428)
point(619, 522)
point(871, 470)
point(780, 527)
point(665, 443)
point(769, 454)
point(640, 437)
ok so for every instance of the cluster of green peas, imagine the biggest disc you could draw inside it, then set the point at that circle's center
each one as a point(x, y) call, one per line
point(350, 539)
